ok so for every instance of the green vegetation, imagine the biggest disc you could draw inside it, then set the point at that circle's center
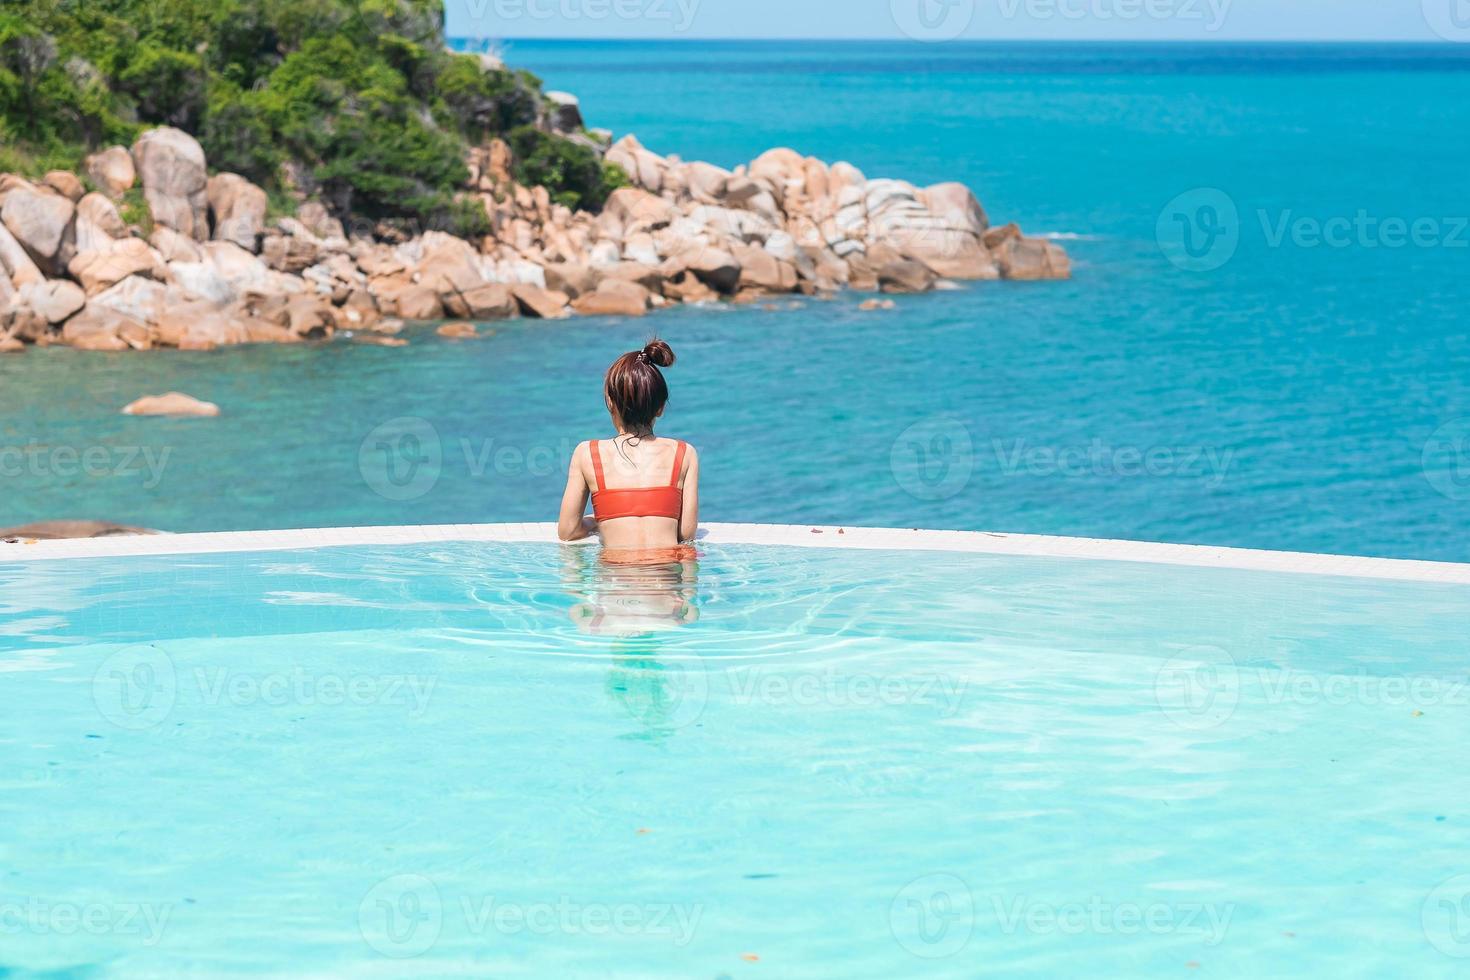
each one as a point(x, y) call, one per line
point(573, 173)
point(356, 102)
point(134, 210)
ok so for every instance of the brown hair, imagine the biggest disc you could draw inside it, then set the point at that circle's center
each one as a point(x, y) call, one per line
point(635, 387)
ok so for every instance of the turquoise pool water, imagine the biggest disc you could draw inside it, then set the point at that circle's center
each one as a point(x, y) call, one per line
point(471, 760)
point(1298, 396)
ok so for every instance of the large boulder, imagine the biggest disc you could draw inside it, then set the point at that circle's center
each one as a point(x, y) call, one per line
point(112, 171)
point(43, 222)
point(888, 270)
point(706, 182)
point(647, 276)
point(136, 297)
point(905, 276)
point(101, 268)
point(65, 183)
point(98, 223)
point(173, 246)
point(452, 265)
point(55, 530)
point(565, 112)
point(644, 168)
point(53, 300)
point(103, 328)
point(309, 315)
point(547, 304)
point(489, 301)
point(759, 269)
point(171, 166)
point(571, 278)
point(714, 267)
point(237, 267)
point(199, 325)
point(1019, 257)
point(291, 254)
point(171, 403)
point(781, 167)
point(238, 208)
point(638, 210)
point(956, 205)
point(415, 303)
point(17, 263)
point(614, 297)
point(315, 218)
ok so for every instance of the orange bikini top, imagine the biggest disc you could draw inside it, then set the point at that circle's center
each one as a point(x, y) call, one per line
point(609, 505)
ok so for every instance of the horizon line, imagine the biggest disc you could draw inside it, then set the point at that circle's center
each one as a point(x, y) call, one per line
point(1157, 42)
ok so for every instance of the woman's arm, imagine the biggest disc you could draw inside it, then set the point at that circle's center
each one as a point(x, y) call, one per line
point(689, 516)
point(572, 525)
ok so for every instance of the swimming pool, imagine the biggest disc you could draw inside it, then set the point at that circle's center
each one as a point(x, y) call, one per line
point(509, 758)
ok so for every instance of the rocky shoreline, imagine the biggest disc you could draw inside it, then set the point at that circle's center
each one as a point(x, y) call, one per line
point(204, 263)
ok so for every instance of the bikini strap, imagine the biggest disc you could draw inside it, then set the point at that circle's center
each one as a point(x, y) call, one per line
point(597, 464)
point(678, 463)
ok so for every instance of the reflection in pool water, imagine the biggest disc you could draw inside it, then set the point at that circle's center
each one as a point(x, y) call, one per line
point(633, 597)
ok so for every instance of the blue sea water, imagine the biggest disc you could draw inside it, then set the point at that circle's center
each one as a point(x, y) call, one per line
point(516, 760)
point(1272, 389)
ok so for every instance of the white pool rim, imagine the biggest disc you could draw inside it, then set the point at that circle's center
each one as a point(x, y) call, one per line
point(804, 535)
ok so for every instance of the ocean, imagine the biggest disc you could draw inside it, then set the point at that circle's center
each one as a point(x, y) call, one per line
point(1265, 342)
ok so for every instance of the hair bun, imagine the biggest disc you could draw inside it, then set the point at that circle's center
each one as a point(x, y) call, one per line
point(659, 353)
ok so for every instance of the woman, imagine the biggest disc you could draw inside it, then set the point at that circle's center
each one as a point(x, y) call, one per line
point(644, 488)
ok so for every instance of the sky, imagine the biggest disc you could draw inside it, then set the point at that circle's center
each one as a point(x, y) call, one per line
point(942, 20)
